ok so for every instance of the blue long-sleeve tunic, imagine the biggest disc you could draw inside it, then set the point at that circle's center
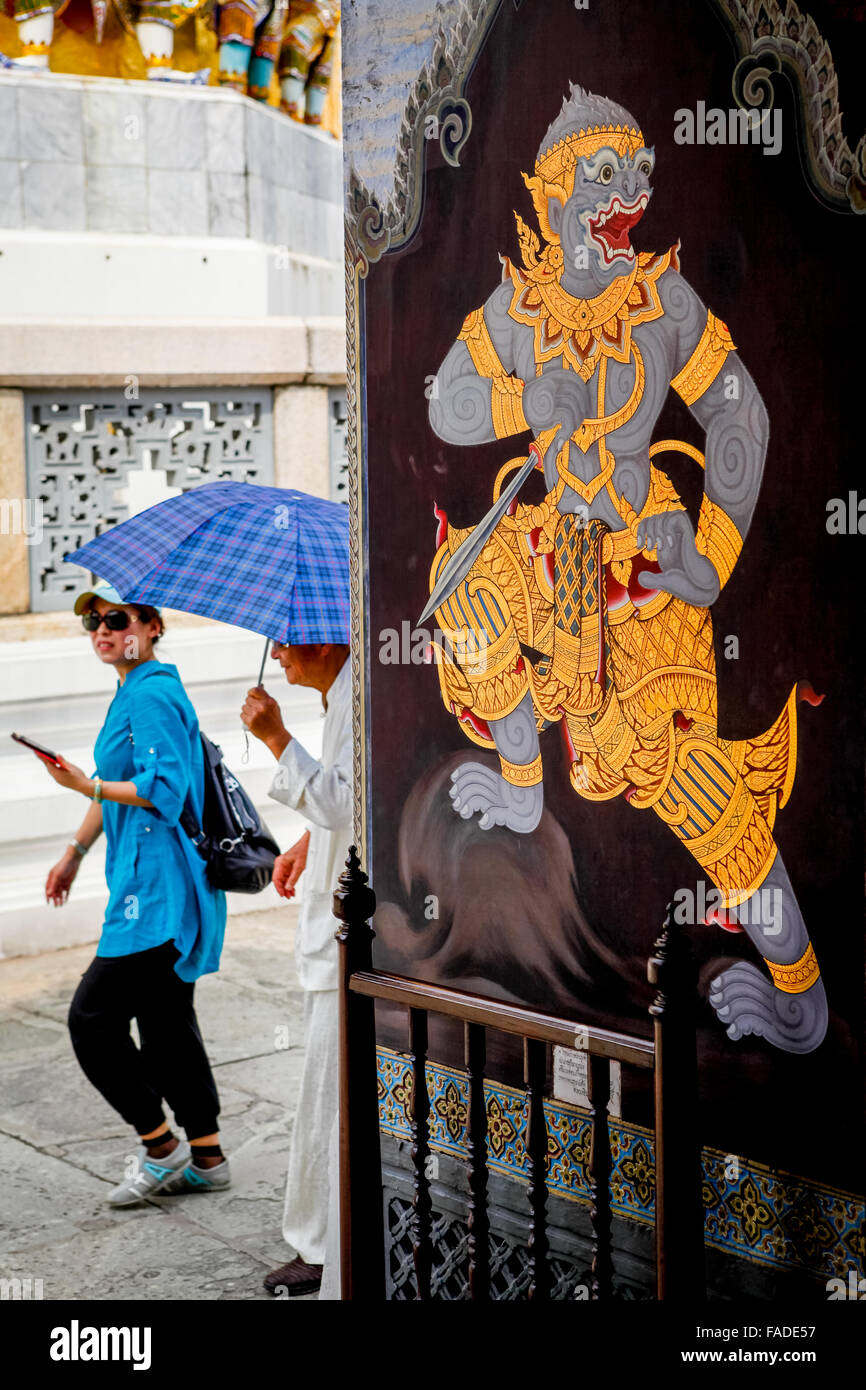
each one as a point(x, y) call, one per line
point(158, 886)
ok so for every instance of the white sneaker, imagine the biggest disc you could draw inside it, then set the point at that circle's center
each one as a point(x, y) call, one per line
point(195, 1179)
point(153, 1174)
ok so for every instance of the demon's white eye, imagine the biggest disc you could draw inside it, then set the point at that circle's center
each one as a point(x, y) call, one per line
point(605, 173)
point(645, 167)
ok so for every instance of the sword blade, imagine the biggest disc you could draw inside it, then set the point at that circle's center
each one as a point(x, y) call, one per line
point(469, 549)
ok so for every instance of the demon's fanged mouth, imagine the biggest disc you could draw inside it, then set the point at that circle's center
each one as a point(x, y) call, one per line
point(611, 226)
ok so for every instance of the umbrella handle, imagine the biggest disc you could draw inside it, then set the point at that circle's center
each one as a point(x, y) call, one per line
point(264, 659)
point(246, 737)
point(246, 757)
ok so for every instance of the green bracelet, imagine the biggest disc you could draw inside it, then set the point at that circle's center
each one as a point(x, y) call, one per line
point(97, 789)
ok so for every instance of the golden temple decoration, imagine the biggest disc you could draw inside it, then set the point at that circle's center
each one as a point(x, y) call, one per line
point(119, 55)
point(196, 46)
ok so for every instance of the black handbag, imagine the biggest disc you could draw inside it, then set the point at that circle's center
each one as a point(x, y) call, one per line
point(232, 839)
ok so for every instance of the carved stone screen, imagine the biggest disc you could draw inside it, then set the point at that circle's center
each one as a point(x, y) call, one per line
point(96, 457)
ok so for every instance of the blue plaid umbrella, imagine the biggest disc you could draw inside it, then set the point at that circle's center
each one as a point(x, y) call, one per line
point(268, 559)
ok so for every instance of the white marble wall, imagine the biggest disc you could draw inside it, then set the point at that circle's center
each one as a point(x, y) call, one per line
point(82, 154)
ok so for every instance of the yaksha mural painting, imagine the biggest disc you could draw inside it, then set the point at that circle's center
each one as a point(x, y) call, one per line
point(592, 608)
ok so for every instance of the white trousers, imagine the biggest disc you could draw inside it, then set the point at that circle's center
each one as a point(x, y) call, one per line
point(330, 1290)
point(308, 1197)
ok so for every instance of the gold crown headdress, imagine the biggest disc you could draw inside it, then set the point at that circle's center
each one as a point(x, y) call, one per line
point(554, 170)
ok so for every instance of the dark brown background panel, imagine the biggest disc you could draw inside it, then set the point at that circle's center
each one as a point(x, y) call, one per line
point(782, 271)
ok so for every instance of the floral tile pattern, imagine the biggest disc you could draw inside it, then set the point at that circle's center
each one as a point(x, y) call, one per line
point(770, 1217)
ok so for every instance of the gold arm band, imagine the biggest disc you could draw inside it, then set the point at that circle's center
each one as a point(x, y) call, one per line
point(508, 417)
point(505, 406)
point(796, 978)
point(718, 539)
point(705, 363)
point(522, 774)
point(475, 335)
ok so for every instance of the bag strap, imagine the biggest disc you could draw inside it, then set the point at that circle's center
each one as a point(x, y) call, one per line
point(189, 824)
point(189, 821)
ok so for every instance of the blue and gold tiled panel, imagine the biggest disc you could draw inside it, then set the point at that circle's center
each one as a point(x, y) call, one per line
point(750, 1211)
point(568, 1128)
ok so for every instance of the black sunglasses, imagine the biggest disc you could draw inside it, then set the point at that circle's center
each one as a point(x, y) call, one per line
point(116, 620)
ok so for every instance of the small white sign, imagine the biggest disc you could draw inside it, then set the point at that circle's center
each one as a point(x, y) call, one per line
point(570, 1076)
point(614, 1105)
point(571, 1080)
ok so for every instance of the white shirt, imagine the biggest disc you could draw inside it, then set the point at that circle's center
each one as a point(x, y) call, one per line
point(322, 792)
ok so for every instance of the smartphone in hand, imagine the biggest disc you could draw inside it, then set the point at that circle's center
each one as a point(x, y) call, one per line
point(44, 753)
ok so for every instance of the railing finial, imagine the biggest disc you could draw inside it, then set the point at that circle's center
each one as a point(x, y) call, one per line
point(354, 904)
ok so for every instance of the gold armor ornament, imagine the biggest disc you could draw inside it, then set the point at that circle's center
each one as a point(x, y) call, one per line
point(117, 53)
point(629, 672)
point(307, 58)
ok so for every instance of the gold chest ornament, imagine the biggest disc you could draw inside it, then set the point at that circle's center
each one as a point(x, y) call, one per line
point(584, 334)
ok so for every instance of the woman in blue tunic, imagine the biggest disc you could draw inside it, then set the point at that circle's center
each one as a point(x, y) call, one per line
point(164, 923)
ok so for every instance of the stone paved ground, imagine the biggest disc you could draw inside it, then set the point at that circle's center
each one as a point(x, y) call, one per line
point(62, 1147)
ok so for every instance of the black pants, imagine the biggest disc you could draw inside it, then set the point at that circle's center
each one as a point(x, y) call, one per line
point(171, 1063)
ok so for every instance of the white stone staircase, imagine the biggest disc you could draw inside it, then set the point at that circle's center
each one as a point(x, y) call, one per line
point(56, 691)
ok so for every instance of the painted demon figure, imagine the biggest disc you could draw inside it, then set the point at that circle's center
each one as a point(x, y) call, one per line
point(592, 609)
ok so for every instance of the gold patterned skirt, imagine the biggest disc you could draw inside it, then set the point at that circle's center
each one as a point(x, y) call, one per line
point(552, 606)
